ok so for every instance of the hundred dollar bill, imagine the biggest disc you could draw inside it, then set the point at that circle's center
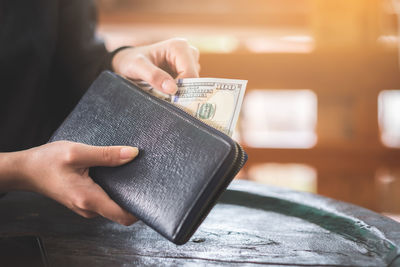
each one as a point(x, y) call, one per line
point(217, 102)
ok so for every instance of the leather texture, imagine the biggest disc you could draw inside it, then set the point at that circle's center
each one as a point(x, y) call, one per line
point(183, 164)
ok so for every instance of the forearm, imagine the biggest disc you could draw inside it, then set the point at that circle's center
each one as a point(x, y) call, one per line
point(11, 171)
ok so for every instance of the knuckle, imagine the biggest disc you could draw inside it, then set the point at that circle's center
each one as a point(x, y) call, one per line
point(107, 154)
point(138, 58)
point(154, 77)
point(70, 154)
point(179, 43)
point(82, 202)
point(129, 69)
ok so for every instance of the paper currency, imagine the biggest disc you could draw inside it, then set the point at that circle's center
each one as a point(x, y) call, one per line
point(217, 102)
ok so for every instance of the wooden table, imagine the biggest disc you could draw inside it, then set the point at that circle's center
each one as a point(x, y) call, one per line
point(252, 224)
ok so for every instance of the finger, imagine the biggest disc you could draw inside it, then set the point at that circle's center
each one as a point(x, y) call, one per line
point(186, 66)
point(195, 52)
point(145, 70)
point(102, 204)
point(85, 213)
point(89, 156)
point(187, 62)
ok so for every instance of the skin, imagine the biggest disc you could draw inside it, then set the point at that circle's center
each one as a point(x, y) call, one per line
point(60, 170)
point(159, 64)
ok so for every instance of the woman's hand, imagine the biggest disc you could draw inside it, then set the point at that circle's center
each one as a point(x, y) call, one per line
point(159, 64)
point(60, 170)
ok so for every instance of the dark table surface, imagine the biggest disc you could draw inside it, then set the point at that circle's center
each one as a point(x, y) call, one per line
point(252, 224)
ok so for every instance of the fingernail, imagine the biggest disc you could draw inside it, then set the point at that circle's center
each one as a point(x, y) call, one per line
point(128, 152)
point(169, 87)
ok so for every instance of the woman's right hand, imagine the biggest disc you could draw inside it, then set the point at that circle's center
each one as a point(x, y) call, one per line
point(60, 170)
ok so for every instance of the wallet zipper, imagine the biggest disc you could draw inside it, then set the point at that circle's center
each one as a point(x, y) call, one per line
point(238, 163)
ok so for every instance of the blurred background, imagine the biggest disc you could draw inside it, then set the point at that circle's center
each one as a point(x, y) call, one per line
point(322, 107)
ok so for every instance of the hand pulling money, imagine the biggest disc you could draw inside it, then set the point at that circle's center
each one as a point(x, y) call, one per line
point(217, 102)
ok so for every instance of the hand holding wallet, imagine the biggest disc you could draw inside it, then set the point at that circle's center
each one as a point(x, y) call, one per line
point(183, 166)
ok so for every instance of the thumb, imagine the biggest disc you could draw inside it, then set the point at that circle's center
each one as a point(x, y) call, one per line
point(88, 156)
point(159, 79)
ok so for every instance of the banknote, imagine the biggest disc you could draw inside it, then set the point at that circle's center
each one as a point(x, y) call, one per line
point(215, 101)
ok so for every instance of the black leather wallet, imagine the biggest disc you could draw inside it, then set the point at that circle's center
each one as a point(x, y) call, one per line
point(183, 165)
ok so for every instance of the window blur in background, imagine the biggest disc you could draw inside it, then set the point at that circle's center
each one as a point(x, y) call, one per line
point(322, 108)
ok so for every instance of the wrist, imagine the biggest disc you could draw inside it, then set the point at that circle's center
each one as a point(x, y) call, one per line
point(114, 59)
point(12, 171)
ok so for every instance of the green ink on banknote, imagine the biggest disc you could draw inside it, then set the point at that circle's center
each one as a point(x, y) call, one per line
point(206, 111)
